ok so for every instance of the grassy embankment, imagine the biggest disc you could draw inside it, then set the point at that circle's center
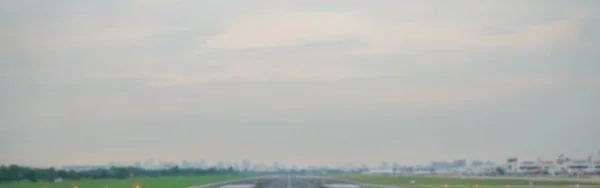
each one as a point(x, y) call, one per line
point(159, 182)
point(458, 182)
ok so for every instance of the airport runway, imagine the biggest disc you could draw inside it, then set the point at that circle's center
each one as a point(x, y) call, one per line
point(291, 182)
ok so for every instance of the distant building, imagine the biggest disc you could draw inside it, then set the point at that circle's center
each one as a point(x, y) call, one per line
point(186, 164)
point(167, 165)
point(575, 167)
point(383, 166)
point(476, 163)
point(460, 163)
point(79, 168)
point(530, 167)
point(512, 164)
point(442, 164)
point(246, 165)
point(202, 164)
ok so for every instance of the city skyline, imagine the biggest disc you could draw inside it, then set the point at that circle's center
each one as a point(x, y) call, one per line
point(245, 163)
point(157, 164)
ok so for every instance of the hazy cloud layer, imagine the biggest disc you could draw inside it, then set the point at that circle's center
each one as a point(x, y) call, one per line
point(297, 81)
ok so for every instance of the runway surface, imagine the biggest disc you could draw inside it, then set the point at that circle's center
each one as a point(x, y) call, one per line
point(291, 182)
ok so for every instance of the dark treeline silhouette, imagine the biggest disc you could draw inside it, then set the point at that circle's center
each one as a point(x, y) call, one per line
point(13, 173)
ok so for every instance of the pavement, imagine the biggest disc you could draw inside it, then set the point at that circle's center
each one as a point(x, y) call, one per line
point(291, 181)
point(593, 179)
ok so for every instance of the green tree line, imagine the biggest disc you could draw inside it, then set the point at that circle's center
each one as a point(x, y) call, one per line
point(12, 173)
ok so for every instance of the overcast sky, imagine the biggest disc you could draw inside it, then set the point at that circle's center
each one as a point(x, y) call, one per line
point(298, 81)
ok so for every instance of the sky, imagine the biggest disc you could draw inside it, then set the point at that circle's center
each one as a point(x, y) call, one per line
point(301, 82)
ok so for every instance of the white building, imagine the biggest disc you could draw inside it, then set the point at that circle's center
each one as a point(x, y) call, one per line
point(597, 167)
point(529, 167)
point(579, 167)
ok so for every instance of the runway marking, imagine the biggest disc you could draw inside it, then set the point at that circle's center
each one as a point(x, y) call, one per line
point(341, 186)
point(238, 186)
point(289, 182)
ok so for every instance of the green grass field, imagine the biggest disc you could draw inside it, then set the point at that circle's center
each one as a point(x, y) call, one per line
point(387, 180)
point(182, 182)
point(160, 182)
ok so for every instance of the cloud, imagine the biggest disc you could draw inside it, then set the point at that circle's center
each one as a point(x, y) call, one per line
point(286, 29)
point(263, 72)
point(259, 35)
point(433, 37)
point(152, 3)
point(93, 103)
point(79, 34)
point(485, 90)
point(59, 28)
point(593, 81)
